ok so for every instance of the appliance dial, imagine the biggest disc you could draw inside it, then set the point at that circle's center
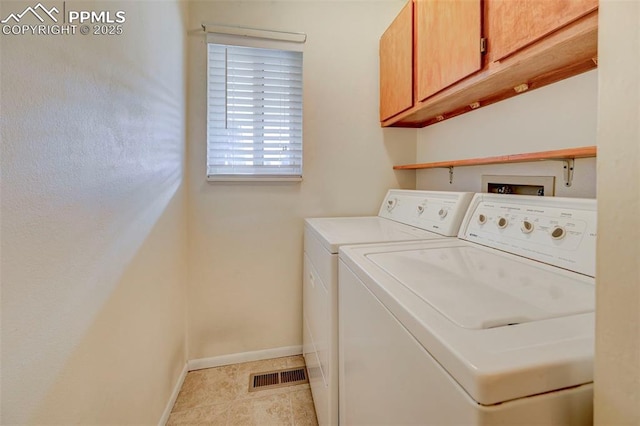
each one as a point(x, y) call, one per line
point(526, 227)
point(443, 213)
point(558, 233)
point(421, 209)
point(391, 203)
point(482, 219)
point(502, 222)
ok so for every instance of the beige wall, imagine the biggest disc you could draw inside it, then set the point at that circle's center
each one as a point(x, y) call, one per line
point(562, 115)
point(617, 372)
point(246, 239)
point(93, 219)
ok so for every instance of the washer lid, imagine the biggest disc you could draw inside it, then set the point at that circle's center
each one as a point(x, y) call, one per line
point(553, 350)
point(478, 289)
point(337, 231)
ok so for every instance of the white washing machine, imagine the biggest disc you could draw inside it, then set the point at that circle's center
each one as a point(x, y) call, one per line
point(404, 215)
point(494, 327)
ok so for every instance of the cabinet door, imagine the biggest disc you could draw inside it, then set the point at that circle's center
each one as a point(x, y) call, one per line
point(447, 43)
point(396, 65)
point(513, 25)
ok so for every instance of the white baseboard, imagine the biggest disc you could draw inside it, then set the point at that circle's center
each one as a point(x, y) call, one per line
point(217, 361)
point(174, 396)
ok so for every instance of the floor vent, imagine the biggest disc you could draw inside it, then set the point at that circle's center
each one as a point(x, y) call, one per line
point(277, 379)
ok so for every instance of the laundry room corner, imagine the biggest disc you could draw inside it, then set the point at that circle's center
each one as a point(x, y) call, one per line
point(245, 239)
point(320, 212)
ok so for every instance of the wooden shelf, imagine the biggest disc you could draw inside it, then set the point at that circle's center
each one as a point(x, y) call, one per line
point(562, 154)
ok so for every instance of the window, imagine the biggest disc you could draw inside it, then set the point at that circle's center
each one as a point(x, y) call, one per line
point(254, 113)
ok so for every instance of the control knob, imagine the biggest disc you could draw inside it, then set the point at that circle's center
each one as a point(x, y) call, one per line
point(558, 233)
point(526, 227)
point(482, 219)
point(391, 203)
point(502, 222)
point(443, 213)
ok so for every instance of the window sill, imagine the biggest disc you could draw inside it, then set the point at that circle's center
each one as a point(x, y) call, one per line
point(254, 179)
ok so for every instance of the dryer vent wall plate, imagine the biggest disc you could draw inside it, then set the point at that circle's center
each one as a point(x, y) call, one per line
point(519, 185)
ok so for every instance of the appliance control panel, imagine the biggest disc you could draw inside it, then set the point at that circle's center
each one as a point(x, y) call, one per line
point(558, 231)
point(437, 211)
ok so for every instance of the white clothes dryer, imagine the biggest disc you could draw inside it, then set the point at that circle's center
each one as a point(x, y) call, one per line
point(405, 215)
point(494, 327)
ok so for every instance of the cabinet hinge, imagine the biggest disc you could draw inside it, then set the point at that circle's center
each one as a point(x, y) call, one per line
point(483, 45)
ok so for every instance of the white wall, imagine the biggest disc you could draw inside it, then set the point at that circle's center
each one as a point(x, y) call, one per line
point(558, 116)
point(93, 220)
point(246, 239)
point(617, 370)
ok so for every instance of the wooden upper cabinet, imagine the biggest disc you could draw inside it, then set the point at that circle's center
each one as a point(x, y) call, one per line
point(529, 44)
point(396, 65)
point(448, 37)
point(516, 24)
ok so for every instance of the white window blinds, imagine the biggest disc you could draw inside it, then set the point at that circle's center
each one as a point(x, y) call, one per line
point(254, 113)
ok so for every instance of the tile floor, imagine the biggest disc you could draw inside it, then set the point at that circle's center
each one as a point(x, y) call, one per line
point(220, 396)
